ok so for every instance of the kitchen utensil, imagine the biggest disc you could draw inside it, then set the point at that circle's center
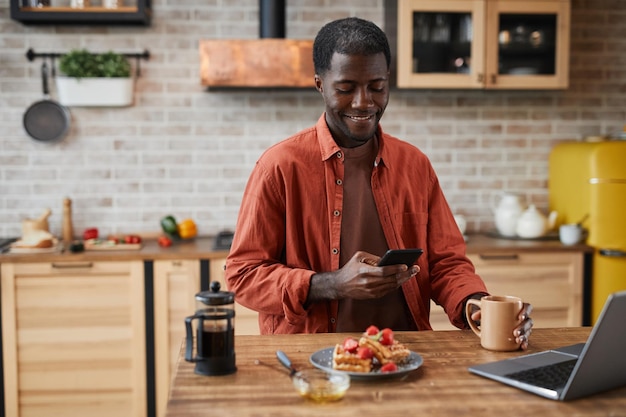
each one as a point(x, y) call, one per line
point(41, 223)
point(537, 38)
point(323, 359)
point(440, 31)
point(465, 28)
point(421, 27)
point(286, 362)
point(570, 234)
point(46, 120)
point(581, 221)
point(68, 229)
point(532, 223)
point(215, 333)
point(79, 4)
point(498, 319)
point(316, 384)
point(507, 211)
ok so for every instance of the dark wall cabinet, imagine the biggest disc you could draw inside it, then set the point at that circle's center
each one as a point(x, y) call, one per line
point(134, 12)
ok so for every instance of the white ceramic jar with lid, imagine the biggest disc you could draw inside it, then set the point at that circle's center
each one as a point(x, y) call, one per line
point(507, 211)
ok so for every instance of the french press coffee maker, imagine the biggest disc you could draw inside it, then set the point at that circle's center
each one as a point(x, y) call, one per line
point(215, 332)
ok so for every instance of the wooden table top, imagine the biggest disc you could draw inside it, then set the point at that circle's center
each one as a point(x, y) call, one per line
point(442, 386)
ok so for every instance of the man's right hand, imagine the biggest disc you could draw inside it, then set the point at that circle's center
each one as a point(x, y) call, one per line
point(360, 278)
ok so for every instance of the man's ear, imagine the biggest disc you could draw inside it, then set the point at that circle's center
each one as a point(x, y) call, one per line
point(318, 84)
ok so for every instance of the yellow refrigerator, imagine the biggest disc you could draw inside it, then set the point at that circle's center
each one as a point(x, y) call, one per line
point(589, 178)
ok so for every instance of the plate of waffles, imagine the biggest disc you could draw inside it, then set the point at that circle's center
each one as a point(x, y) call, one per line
point(323, 359)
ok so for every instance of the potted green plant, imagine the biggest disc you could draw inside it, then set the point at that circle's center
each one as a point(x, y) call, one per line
point(91, 79)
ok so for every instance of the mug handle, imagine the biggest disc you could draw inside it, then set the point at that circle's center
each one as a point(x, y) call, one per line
point(471, 322)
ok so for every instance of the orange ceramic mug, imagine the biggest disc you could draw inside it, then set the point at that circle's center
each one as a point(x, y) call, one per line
point(498, 317)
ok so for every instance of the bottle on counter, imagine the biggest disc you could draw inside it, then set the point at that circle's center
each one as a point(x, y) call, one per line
point(68, 229)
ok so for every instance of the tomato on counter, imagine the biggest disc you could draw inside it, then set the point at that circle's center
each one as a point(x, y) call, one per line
point(113, 239)
point(164, 241)
point(187, 229)
point(132, 239)
point(90, 233)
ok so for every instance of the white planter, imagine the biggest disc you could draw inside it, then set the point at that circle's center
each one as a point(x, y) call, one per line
point(103, 92)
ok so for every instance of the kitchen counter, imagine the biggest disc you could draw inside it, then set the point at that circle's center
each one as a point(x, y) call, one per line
point(481, 243)
point(202, 248)
point(198, 248)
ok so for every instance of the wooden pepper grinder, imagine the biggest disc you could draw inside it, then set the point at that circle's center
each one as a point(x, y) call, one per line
point(68, 229)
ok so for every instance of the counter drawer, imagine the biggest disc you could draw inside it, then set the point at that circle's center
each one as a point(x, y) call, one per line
point(70, 268)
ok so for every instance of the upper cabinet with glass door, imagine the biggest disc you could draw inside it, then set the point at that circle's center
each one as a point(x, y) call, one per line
point(495, 44)
point(81, 12)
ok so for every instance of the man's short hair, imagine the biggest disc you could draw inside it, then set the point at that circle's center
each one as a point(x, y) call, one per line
point(348, 36)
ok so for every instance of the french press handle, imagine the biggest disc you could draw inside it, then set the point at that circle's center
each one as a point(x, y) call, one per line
point(189, 337)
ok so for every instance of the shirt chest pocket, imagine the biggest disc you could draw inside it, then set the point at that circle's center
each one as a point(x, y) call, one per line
point(412, 228)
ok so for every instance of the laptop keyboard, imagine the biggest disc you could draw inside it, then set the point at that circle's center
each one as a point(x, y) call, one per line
point(550, 376)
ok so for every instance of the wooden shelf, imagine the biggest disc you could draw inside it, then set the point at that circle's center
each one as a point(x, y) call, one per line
point(124, 15)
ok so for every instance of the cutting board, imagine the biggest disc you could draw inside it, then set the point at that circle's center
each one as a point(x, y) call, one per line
point(109, 246)
point(55, 248)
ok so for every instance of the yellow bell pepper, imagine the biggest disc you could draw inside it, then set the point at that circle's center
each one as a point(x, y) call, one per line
point(187, 229)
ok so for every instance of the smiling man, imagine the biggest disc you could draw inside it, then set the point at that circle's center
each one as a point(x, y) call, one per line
point(322, 206)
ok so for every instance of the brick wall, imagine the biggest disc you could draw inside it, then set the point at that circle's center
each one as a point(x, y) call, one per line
point(188, 152)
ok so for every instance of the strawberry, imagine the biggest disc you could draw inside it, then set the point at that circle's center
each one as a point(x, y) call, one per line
point(389, 367)
point(372, 331)
point(386, 337)
point(365, 353)
point(350, 345)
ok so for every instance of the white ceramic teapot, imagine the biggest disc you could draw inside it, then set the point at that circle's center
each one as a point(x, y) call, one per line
point(507, 212)
point(532, 223)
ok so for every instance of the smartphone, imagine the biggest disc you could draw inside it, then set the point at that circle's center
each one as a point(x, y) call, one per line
point(400, 256)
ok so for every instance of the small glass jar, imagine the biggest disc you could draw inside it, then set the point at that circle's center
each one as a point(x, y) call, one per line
point(79, 4)
point(111, 4)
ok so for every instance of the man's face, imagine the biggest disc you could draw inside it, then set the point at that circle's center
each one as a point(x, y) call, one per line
point(356, 93)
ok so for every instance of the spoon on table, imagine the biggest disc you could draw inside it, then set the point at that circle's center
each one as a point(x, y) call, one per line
point(286, 362)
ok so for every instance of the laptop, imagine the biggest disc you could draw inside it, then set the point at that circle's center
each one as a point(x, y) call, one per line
point(585, 368)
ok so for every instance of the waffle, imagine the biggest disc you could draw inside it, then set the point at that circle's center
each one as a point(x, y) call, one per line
point(396, 352)
point(346, 361)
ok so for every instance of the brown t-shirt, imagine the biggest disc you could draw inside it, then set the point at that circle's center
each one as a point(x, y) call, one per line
point(361, 230)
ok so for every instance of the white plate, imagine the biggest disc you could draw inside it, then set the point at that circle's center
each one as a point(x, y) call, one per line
point(323, 359)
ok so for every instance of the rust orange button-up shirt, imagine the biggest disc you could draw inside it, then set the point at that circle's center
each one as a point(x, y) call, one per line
point(289, 229)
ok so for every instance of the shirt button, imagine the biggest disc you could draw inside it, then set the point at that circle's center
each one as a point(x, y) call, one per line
point(335, 251)
point(339, 155)
point(336, 213)
point(332, 320)
point(338, 182)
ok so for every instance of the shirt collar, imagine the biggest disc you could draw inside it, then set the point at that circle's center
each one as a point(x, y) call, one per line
point(329, 147)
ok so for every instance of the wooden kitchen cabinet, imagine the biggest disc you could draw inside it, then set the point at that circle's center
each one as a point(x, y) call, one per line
point(74, 339)
point(551, 281)
point(480, 44)
point(135, 12)
point(176, 282)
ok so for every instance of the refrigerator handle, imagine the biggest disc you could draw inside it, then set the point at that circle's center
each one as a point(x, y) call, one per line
point(616, 253)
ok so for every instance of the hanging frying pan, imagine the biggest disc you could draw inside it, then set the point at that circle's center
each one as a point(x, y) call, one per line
point(46, 120)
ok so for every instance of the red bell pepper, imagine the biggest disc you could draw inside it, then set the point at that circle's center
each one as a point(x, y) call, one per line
point(91, 233)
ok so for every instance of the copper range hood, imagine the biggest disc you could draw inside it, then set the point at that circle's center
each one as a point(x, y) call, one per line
point(268, 62)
